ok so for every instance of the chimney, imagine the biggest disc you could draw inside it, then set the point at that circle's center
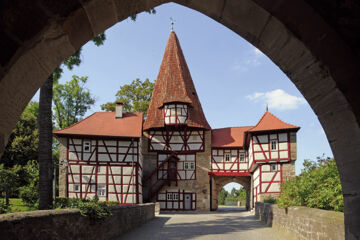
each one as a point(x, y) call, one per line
point(119, 110)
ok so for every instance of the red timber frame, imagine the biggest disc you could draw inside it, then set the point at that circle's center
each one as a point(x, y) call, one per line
point(231, 166)
point(183, 146)
point(258, 189)
point(176, 111)
point(162, 168)
point(113, 174)
point(269, 159)
point(178, 204)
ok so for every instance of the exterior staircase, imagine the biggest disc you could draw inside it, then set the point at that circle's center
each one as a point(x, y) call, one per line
point(153, 185)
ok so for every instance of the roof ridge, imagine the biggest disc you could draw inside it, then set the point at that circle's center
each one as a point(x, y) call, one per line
point(231, 127)
point(54, 131)
point(271, 114)
point(281, 120)
point(75, 123)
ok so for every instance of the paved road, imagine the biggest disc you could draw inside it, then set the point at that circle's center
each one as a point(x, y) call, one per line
point(227, 223)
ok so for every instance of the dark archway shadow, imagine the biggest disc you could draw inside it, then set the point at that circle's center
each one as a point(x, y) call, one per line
point(309, 50)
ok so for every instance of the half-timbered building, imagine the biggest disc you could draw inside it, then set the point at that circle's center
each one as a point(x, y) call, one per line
point(174, 157)
point(177, 136)
point(100, 155)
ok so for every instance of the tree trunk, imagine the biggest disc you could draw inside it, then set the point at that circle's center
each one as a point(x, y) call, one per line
point(45, 145)
point(6, 198)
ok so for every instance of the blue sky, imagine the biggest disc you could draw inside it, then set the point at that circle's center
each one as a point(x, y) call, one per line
point(234, 80)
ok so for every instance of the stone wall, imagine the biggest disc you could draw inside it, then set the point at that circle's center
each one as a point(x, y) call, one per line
point(63, 167)
point(70, 224)
point(302, 222)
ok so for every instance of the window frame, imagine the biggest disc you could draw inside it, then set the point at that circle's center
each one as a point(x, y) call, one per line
point(273, 165)
point(276, 144)
point(101, 187)
point(242, 155)
point(85, 142)
point(227, 155)
point(175, 196)
point(76, 186)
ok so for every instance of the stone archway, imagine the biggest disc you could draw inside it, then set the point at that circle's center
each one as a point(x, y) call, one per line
point(217, 182)
point(306, 39)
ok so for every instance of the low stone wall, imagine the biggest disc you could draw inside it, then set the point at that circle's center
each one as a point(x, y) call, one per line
point(303, 222)
point(69, 224)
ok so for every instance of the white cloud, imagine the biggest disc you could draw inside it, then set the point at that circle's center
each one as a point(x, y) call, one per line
point(250, 60)
point(277, 99)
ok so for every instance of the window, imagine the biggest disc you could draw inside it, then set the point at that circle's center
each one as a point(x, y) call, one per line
point(242, 157)
point(169, 196)
point(273, 167)
point(186, 165)
point(273, 145)
point(227, 157)
point(175, 113)
point(192, 165)
point(175, 196)
point(98, 169)
point(87, 146)
point(101, 190)
point(76, 188)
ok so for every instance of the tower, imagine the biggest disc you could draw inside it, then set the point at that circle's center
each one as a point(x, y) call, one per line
point(177, 138)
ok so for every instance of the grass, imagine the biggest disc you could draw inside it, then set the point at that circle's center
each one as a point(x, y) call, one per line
point(17, 205)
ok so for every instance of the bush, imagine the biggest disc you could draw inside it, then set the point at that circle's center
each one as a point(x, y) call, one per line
point(318, 186)
point(270, 200)
point(29, 195)
point(68, 202)
point(95, 210)
point(3, 207)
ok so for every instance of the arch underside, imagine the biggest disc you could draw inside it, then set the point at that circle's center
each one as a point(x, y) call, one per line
point(219, 182)
point(318, 58)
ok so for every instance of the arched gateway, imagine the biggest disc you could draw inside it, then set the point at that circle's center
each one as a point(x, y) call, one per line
point(178, 160)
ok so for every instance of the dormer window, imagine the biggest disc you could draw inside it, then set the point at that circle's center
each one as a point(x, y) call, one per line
point(175, 113)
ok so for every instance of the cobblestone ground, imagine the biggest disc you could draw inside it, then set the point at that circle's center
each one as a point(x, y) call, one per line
point(227, 223)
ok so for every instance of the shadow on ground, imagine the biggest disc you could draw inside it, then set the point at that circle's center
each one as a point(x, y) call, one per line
point(224, 224)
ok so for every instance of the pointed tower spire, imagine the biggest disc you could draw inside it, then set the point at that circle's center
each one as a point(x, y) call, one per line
point(174, 85)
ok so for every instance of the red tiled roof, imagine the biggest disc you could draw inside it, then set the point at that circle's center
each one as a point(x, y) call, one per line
point(174, 84)
point(228, 137)
point(270, 122)
point(105, 124)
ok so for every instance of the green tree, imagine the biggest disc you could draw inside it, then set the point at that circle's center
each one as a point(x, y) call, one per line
point(45, 122)
point(318, 186)
point(8, 182)
point(136, 96)
point(29, 192)
point(71, 101)
point(23, 141)
point(222, 196)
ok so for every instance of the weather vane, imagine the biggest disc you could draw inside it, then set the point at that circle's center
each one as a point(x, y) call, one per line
point(172, 24)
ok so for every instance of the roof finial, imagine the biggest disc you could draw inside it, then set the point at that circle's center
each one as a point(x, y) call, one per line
point(267, 107)
point(172, 24)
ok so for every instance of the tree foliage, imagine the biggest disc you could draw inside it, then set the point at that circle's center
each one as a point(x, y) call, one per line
point(23, 141)
point(136, 96)
point(318, 186)
point(29, 192)
point(8, 182)
point(225, 198)
point(222, 196)
point(71, 101)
